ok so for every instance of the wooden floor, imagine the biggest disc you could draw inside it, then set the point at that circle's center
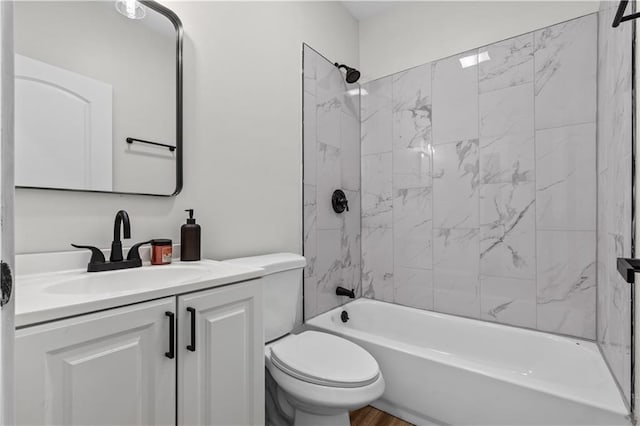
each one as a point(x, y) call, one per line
point(369, 416)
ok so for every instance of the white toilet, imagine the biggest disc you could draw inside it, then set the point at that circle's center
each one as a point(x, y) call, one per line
point(320, 377)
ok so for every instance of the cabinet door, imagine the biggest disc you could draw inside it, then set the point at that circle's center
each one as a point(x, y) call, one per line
point(107, 368)
point(221, 380)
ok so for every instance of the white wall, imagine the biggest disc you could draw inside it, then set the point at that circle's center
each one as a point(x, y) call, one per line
point(242, 136)
point(413, 33)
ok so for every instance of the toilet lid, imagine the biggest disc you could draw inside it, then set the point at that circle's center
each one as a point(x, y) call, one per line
point(325, 359)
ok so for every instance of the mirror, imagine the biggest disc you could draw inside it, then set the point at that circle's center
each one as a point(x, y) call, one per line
point(98, 96)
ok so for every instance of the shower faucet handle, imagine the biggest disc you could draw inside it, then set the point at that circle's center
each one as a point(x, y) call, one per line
point(339, 201)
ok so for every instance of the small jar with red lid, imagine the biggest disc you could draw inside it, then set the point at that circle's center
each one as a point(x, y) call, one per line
point(161, 251)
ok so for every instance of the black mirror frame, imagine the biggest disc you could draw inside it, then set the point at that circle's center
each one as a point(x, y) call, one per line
point(177, 24)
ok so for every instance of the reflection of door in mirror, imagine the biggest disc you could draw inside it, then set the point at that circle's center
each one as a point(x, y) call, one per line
point(87, 79)
point(63, 123)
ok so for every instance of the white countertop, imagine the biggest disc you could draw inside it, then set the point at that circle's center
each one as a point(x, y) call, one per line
point(47, 296)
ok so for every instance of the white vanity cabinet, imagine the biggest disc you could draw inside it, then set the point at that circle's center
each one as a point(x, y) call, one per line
point(104, 368)
point(221, 346)
point(121, 366)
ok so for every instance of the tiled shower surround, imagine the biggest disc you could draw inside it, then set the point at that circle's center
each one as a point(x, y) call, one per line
point(614, 192)
point(496, 189)
point(479, 182)
point(331, 161)
point(484, 191)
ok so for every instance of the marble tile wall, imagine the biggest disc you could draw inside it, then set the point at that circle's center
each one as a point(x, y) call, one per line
point(479, 182)
point(614, 228)
point(331, 150)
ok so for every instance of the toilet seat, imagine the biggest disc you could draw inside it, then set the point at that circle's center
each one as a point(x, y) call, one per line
point(326, 360)
point(317, 398)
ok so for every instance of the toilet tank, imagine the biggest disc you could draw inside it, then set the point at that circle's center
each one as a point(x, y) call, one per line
point(282, 291)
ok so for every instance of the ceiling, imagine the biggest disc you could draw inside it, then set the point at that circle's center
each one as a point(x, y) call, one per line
point(362, 10)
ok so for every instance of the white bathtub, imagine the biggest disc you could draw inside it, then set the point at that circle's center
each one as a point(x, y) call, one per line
point(443, 369)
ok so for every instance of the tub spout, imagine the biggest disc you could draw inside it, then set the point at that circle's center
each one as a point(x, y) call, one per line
point(341, 291)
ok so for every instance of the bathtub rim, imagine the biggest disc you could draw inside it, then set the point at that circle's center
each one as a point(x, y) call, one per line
point(323, 322)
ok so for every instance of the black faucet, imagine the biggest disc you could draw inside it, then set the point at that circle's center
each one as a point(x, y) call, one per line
point(98, 262)
point(341, 291)
point(122, 218)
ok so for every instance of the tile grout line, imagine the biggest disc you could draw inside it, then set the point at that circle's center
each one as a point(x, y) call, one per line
point(432, 74)
point(575, 124)
point(393, 240)
point(479, 281)
point(363, 106)
point(535, 176)
point(596, 181)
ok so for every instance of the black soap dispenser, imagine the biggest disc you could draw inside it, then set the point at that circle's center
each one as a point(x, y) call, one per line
point(190, 239)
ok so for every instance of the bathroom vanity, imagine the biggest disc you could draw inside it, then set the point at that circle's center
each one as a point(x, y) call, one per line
point(172, 344)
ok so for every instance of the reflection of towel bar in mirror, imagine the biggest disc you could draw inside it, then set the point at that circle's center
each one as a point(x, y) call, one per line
point(132, 140)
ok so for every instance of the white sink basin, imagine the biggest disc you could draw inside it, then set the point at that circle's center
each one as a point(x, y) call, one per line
point(49, 296)
point(128, 280)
